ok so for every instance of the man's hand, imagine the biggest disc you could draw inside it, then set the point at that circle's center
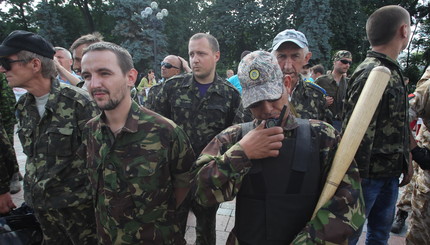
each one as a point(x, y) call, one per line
point(262, 142)
point(185, 65)
point(6, 203)
point(329, 100)
point(407, 176)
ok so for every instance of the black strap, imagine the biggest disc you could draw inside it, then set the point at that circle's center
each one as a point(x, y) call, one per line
point(302, 157)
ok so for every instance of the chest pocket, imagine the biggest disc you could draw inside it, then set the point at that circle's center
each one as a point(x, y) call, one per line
point(217, 116)
point(61, 141)
point(25, 136)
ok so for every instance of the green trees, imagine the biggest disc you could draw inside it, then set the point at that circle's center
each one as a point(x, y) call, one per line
point(238, 25)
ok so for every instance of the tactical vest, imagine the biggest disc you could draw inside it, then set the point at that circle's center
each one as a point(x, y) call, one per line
point(278, 195)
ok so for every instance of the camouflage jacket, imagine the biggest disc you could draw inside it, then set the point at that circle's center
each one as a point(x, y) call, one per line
point(54, 177)
point(328, 83)
point(8, 162)
point(133, 177)
point(384, 150)
point(223, 164)
point(7, 107)
point(152, 93)
point(201, 118)
point(309, 101)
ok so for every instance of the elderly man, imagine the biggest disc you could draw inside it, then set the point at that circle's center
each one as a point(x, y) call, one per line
point(63, 62)
point(335, 85)
point(307, 99)
point(51, 119)
point(275, 167)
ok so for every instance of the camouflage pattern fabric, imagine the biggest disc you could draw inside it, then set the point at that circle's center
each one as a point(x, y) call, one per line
point(55, 177)
point(7, 107)
point(60, 226)
point(336, 91)
point(201, 118)
point(384, 150)
point(8, 162)
point(404, 202)
point(150, 100)
point(309, 102)
point(419, 230)
point(133, 177)
point(223, 164)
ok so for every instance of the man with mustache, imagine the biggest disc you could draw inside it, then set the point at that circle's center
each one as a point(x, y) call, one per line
point(138, 161)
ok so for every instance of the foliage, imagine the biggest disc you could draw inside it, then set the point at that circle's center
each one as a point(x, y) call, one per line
point(313, 18)
point(238, 25)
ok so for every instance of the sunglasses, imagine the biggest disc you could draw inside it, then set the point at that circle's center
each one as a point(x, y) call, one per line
point(5, 63)
point(168, 65)
point(346, 62)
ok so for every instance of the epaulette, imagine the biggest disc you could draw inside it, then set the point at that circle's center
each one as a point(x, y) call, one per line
point(316, 86)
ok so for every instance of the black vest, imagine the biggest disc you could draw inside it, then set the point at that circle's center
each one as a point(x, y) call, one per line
point(278, 195)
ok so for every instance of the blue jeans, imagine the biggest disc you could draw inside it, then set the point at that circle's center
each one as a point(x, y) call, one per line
point(380, 197)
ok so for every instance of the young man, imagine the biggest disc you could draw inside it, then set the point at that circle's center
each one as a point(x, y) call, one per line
point(203, 105)
point(383, 154)
point(138, 161)
point(335, 85)
point(275, 168)
point(51, 119)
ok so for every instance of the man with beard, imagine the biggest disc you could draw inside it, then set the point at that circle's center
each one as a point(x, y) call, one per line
point(138, 161)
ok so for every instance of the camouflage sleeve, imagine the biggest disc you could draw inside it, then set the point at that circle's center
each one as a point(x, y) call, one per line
point(421, 103)
point(8, 162)
point(220, 168)
point(7, 107)
point(238, 113)
point(183, 158)
point(344, 213)
point(88, 111)
point(161, 101)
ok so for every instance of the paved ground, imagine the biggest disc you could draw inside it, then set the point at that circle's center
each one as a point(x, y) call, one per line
point(225, 215)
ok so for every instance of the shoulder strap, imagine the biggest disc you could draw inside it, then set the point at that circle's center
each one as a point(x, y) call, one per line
point(246, 127)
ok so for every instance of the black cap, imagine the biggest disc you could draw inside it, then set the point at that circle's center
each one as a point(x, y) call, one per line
point(24, 40)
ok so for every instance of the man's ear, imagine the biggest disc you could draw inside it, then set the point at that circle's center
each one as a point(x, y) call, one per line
point(287, 82)
point(132, 76)
point(308, 57)
point(404, 31)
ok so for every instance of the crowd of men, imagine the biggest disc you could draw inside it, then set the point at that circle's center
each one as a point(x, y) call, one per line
point(104, 167)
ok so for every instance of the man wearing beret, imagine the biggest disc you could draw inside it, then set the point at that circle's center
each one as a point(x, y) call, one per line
point(335, 85)
point(51, 117)
point(275, 167)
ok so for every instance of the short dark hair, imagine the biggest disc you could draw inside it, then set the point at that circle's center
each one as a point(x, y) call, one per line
point(318, 69)
point(123, 57)
point(213, 42)
point(382, 25)
point(87, 39)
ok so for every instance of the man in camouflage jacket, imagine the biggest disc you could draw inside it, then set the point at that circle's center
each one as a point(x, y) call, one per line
point(245, 166)
point(203, 105)
point(419, 228)
point(51, 117)
point(306, 98)
point(335, 85)
point(138, 161)
point(383, 154)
